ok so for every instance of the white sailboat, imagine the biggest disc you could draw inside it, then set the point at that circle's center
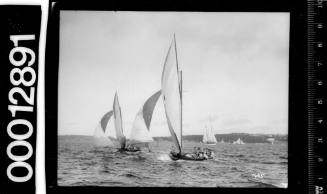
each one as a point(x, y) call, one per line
point(109, 131)
point(271, 140)
point(238, 141)
point(171, 88)
point(140, 132)
point(209, 137)
point(119, 123)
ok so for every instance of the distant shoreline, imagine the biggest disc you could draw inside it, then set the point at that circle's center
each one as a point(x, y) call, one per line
point(227, 138)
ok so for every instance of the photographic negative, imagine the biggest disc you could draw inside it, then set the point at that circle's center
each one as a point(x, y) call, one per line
point(173, 99)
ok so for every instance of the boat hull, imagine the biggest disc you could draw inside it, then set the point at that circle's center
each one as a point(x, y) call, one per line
point(128, 150)
point(185, 156)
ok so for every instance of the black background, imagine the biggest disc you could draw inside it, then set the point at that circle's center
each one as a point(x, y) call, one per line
point(16, 20)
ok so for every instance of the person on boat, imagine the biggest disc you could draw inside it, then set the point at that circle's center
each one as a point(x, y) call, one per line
point(129, 147)
point(195, 150)
point(132, 148)
point(172, 150)
point(207, 153)
point(174, 153)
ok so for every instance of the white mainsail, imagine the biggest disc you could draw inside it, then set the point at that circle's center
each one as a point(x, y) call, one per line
point(140, 133)
point(118, 122)
point(209, 136)
point(171, 92)
point(205, 135)
point(212, 137)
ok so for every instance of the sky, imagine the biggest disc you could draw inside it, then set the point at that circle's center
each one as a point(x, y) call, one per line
point(235, 69)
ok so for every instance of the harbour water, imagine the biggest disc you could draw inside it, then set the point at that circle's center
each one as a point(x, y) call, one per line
point(81, 163)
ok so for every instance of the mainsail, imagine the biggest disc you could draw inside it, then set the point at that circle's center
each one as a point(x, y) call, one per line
point(140, 131)
point(118, 122)
point(205, 135)
point(172, 95)
point(211, 137)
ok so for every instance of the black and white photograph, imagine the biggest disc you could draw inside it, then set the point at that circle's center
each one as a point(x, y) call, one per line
point(173, 99)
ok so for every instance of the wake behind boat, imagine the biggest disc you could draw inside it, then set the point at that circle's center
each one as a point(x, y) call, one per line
point(172, 92)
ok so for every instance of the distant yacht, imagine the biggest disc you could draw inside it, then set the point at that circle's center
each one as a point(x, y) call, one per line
point(238, 141)
point(209, 137)
point(222, 141)
point(271, 140)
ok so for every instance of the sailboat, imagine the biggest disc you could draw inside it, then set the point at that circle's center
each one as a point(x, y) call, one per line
point(271, 140)
point(222, 141)
point(238, 141)
point(209, 137)
point(114, 135)
point(110, 127)
point(171, 88)
point(140, 133)
point(118, 121)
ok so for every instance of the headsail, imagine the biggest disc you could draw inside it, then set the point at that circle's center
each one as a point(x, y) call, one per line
point(103, 132)
point(104, 120)
point(141, 126)
point(118, 122)
point(171, 92)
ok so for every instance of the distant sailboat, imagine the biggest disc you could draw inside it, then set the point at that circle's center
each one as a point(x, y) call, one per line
point(238, 141)
point(171, 84)
point(222, 141)
point(209, 137)
point(140, 132)
point(271, 140)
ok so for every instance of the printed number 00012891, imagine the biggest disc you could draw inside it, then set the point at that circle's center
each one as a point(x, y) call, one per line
point(18, 77)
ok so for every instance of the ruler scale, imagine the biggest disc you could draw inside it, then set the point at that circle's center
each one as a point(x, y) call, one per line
point(316, 59)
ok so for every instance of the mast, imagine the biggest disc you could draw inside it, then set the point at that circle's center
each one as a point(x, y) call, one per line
point(180, 91)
